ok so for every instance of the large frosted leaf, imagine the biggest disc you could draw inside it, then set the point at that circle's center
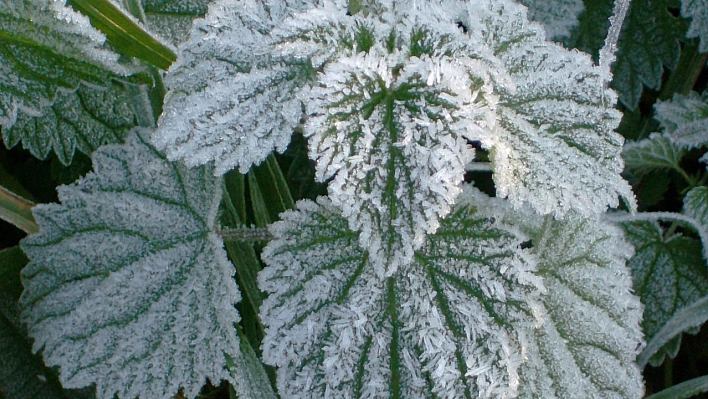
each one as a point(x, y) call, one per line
point(558, 17)
point(649, 42)
point(685, 119)
point(128, 287)
point(588, 342)
point(458, 322)
point(697, 11)
point(46, 47)
point(82, 120)
point(669, 274)
point(655, 152)
point(230, 102)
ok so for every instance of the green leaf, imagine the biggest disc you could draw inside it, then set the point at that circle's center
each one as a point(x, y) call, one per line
point(649, 42)
point(469, 318)
point(591, 31)
point(685, 119)
point(173, 19)
point(83, 119)
point(697, 11)
point(695, 205)
point(128, 286)
point(124, 33)
point(657, 152)
point(669, 273)
point(45, 48)
point(684, 390)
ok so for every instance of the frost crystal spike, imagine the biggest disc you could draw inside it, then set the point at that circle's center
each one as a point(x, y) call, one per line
point(127, 285)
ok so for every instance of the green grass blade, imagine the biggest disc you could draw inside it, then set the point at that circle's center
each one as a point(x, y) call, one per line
point(17, 211)
point(683, 390)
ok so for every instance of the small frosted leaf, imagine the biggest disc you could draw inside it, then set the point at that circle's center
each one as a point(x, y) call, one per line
point(649, 42)
point(650, 154)
point(128, 287)
point(449, 325)
point(83, 119)
point(695, 205)
point(697, 11)
point(669, 273)
point(685, 119)
point(231, 102)
point(558, 17)
point(590, 337)
point(47, 47)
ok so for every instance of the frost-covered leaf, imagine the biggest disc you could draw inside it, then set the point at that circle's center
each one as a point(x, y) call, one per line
point(588, 342)
point(669, 273)
point(695, 205)
point(558, 17)
point(697, 11)
point(173, 19)
point(463, 320)
point(649, 42)
point(230, 102)
point(47, 47)
point(685, 119)
point(128, 287)
point(83, 119)
point(653, 153)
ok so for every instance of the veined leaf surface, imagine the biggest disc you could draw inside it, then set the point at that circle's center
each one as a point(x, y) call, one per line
point(656, 152)
point(46, 47)
point(668, 273)
point(685, 119)
point(127, 286)
point(469, 318)
point(82, 120)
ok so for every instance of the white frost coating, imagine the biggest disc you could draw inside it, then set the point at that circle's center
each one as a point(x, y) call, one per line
point(697, 11)
point(655, 152)
point(231, 102)
point(127, 285)
point(591, 336)
point(695, 205)
point(608, 52)
point(685, 119)
point(474, 315)
point(451, 324)
point(558, 17)
point(29, 79)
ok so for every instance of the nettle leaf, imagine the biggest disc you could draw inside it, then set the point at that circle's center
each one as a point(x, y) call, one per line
point(669, 273)
point(128, 287)
point(656, 152)
point(45, 48)
point(83, 119)
point(173, 19)
point(468, 318)
point(697, 11)
point(383, 99)
point(558, 17)
point(685, 118)
point(230, 100)
point(695, 205)
point(587, 343)
point(649, 41)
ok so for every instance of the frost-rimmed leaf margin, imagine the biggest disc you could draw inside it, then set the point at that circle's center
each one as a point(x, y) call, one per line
point(685, 119)
point(128, 287)
point(60, 44)
point(336, 327)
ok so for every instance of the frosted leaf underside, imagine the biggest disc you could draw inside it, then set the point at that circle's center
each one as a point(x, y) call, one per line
point(697, 11)
point(558, 17)
point(467, 319)
point(685, 119)
point(587, 345)
point(46, 47)
point(78, 120)
point(668, 274)
point(127, 287)
point(230, 101)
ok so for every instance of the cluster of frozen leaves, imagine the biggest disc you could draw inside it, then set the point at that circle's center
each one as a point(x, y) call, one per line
point(403, 281)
